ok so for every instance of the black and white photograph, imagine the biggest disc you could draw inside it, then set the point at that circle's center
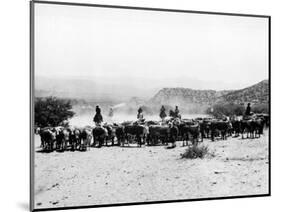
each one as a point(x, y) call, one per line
point(143, 105)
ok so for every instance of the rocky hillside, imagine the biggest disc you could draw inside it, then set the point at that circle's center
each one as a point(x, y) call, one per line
point(182, 96)
point(258, 93)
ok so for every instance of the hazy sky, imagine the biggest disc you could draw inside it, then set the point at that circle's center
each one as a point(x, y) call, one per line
point(158, 49)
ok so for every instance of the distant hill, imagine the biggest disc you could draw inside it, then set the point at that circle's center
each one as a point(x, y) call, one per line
point(258, 93)
point(199, 100)
point(182, 96)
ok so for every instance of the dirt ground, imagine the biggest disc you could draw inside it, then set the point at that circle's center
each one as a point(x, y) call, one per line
point(129, 174)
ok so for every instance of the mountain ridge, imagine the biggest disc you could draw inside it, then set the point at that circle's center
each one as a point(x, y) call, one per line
point(187, 97)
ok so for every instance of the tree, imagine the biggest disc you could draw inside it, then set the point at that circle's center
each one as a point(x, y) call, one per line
point(52, 111)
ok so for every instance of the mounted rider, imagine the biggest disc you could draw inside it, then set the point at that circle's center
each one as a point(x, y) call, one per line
point(140, 116)
point(248, 112)
point(177, 112)
point(98, 117)
point(110, 114)
point(163, 114)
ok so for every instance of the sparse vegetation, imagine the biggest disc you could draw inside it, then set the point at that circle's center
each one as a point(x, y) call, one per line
point(197, 151)
point(260, 108)
point(220, 110)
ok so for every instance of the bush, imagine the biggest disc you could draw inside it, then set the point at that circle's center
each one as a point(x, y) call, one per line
point(52, 111)
point(196, 151)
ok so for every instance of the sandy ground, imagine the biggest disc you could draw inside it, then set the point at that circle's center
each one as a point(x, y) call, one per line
point(121, 175)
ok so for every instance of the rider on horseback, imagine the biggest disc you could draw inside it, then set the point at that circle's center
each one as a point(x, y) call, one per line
point(248, 110)
point(140, 115)
point(98, 117)
point(162, 113)
point(177, 113)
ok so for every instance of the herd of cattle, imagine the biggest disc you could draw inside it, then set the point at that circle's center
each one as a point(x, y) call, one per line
point(189, 131)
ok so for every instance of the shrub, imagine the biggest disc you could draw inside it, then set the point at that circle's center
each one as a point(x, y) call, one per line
point(197, 151)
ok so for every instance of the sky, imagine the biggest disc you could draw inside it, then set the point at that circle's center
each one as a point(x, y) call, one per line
point(148, 50)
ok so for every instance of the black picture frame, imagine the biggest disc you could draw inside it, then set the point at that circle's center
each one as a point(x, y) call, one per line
point(32, 46)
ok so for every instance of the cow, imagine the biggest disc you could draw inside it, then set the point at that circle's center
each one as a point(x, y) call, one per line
point(266, 119)
point(120, 135)
point(111, 133)
point(75, 138)
point(173, 134)
point(247, 127)
point(48, 138)
point(190, 132)
point(140, 132)
point(258, 125)
point(99, 135)
point(253, 125)
point(219, 127)
point(236, 127)
point(85, 138)
point(204, 129)
point(63, 138)
point(156, 133)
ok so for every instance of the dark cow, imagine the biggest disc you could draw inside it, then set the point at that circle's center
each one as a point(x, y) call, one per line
point(190, 132)
point(48, 138)
point(75, 138)
point(236, 127)
point(120, 135)
point(205, 128)
point(173, 134)
point(140, 132)
point(266, 119)
point(258, 126)
point(99, 135)
point(163, 133)
point(247, 126)
point(182, 125)
point(158, 133)
point(219, 127)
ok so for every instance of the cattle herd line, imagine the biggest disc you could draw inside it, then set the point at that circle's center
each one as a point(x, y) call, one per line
point(189, 131)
